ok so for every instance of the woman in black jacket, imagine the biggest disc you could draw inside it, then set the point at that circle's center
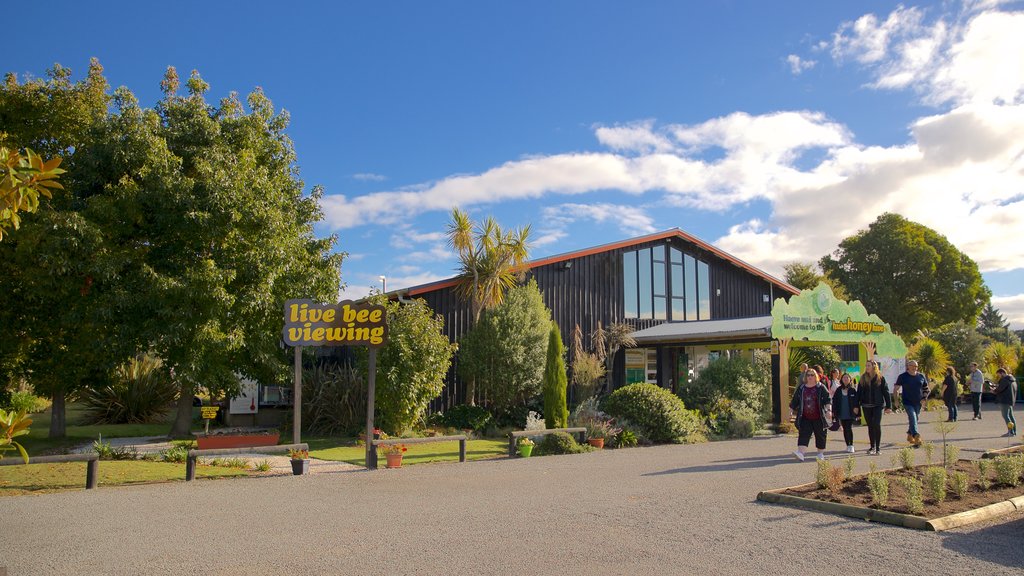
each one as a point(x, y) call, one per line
point(873, 395)
point(950, 391)
point(846, 408)
point(812, 408)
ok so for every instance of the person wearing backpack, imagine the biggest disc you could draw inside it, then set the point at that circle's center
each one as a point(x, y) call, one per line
point(873, 396)
point(950, 393)
point(977, 385)
point(812, 408)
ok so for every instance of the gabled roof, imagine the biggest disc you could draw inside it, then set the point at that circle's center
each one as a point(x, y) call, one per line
point(671, 233)
point(704, 330)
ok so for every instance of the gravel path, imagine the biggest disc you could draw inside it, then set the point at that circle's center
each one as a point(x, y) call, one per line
point(658, 510)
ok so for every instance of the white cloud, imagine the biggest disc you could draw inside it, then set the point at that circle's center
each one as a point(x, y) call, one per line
point(369, 177)
point(631, 220)
point(798, 65)
point(976, 56)
point(1012, 308)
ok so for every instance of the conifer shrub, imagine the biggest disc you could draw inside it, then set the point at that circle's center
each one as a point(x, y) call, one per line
point(556, 412)
point(659, 414)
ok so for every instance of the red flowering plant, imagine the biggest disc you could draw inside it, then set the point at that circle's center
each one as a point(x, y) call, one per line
point(298, 454)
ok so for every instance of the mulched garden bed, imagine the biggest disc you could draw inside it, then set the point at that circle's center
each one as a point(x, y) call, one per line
point(855, 491)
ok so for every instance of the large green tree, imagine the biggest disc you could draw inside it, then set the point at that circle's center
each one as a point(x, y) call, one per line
point(505, 352)
point(187, 228)
point(806, 275)
point(908, 274)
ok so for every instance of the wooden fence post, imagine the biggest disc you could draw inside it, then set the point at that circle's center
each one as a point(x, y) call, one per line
point(92, 469)
point(190, 468)
point(462, 450)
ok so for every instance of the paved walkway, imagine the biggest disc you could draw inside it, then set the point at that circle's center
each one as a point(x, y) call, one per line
point(658, 510)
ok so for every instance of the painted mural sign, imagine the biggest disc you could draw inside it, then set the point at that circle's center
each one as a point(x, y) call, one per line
point(817, 315)
point(308, 323)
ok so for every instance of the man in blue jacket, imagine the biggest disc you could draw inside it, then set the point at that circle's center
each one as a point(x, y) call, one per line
point(914, 386)
point(1006, 395)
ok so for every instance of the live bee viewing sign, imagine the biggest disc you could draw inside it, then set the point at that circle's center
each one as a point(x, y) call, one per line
point(308, 323)
point(348, 323)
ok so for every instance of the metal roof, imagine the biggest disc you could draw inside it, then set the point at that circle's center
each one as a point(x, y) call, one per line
point(702, 330)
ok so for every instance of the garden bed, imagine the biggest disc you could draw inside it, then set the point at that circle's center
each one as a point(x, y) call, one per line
point(237, 438)
point(855, 499)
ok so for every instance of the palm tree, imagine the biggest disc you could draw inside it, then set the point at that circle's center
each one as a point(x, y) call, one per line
point(490, 262)
point(607, 343)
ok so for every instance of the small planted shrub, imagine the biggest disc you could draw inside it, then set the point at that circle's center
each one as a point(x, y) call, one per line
point(660, 414)
point(107, 452)
point(848, 465)
point(960, 482)
point(929, 453)
point(821, 473)
point(626, 439)
point(1008, 470)
point(905, 458)
point(878, 484)
point(984, 467)
point(140, 391)
point(743, 422)
point(262, 466)
point(177, 453)
point(466, 417)
point(950, 454)
point(560, 443)
point(834, 480)
point(914, 495)
point(935, 483)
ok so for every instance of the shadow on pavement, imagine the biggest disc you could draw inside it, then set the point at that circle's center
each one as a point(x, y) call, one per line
point(738, 464)
point(999, 543)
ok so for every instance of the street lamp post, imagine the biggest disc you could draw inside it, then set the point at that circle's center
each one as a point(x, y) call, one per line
point(384, 284)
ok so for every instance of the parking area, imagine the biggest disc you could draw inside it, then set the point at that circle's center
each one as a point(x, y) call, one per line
point(657, 510)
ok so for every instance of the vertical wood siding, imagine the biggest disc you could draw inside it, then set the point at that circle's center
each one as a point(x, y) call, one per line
point(589, 289)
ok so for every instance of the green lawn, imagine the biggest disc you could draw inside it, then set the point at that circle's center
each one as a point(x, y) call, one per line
point(15, 480)
point(37, 443)
point(346, 450)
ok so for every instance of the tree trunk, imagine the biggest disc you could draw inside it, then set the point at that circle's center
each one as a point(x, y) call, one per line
point(471, 391)
point(58, 416)
point(183, 418)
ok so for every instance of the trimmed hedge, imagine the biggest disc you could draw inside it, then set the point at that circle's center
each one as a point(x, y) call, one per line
point(560, 443)
point(660, 414)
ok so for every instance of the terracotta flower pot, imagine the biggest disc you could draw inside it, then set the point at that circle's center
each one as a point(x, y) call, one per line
point(394, 460)
point(596, 442)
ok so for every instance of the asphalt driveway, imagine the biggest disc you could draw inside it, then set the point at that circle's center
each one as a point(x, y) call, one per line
point(657, 510)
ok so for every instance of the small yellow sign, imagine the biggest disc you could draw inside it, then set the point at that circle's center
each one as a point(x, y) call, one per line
point(209, 412)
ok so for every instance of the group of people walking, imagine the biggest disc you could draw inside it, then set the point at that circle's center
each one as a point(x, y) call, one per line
point(819, 400)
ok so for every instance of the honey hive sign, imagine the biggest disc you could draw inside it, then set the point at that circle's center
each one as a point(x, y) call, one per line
point(309, 323)
point(817, 315)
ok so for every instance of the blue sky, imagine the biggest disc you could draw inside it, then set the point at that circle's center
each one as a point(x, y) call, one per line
point(772, 129)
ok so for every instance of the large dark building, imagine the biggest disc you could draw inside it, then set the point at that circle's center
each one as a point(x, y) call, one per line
point(686, 300)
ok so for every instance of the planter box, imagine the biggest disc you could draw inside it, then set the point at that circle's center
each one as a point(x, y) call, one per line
point(237, 440)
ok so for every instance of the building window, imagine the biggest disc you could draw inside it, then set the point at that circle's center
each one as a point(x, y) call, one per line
point(663, 283)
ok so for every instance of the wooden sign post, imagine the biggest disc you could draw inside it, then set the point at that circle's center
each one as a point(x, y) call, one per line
point(308, 323)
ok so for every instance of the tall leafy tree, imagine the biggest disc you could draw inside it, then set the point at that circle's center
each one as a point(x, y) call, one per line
point(412, 364)
point(806, 275)
point(56, 329)
point(556, 412)
point(490, 263)
point(505, 352)
point(992, 324)
point(908, 274)
point(191, 228)
point(963, 343)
